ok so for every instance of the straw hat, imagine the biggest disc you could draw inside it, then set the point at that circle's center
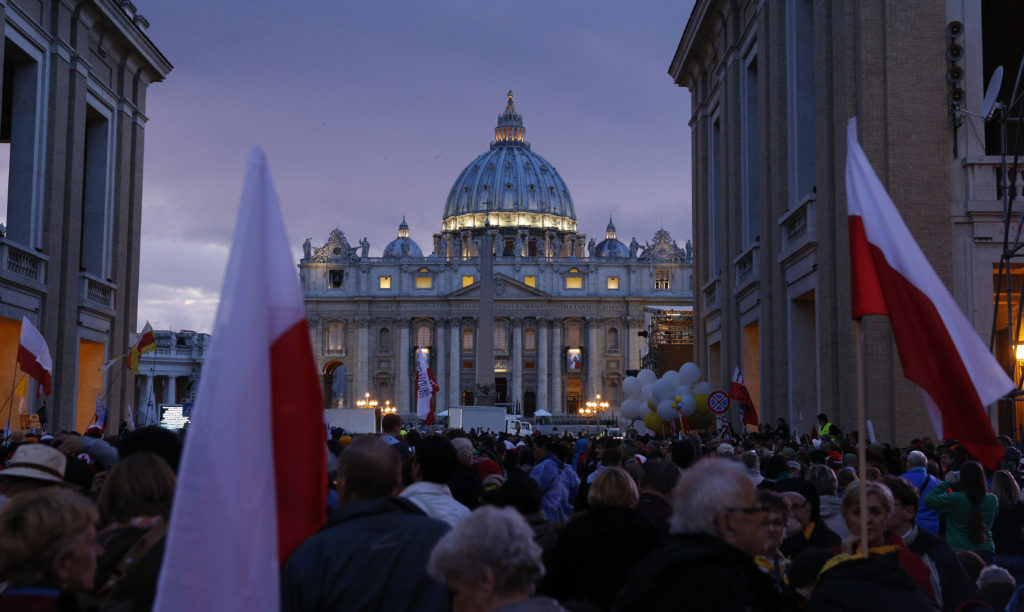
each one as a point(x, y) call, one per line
point(38, 462)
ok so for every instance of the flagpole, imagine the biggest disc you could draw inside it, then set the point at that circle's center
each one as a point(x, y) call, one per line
point(862, 461)
point(8, 404)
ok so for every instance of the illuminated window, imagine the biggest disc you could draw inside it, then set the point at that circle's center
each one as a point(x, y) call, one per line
point(530, 281)
point(385, 282)
point(337, 279)
point(661, 279)
point(573, 282)
point(613, 282)
point(423, 336)
point(530, 340)
point(424, 282)
point(467, 339)
point(335, 337)
point(467, 280)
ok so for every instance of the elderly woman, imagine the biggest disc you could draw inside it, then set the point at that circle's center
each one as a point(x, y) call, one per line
point(499, 575)
point(134, 504)
point(597, 548)
point(47, 546)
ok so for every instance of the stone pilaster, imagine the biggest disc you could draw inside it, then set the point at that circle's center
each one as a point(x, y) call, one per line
point(542, 365)
point(455, 361)
point(557, 356)
point(517, 363)
point(404, 396)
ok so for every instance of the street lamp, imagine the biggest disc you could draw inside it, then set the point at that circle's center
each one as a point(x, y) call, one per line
point(594, 407)
point(367, 402)
point(388, 408)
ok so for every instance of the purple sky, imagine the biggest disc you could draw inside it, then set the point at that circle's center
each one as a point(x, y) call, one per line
point(370, 110)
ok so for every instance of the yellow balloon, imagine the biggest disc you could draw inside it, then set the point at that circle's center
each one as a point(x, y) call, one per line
point(654, 423)
point(702, 402)
point(677, 400)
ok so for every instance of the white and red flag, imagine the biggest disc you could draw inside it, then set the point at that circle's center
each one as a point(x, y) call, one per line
point(739, 396)
point(34, 355)
point(145, 344)
point(426, 388)
point(938, 346)
point(253, 478)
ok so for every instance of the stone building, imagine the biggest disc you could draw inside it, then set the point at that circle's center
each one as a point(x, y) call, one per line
point(172, 370)
point(773, 84)
point(566, 311)
point(73, 117)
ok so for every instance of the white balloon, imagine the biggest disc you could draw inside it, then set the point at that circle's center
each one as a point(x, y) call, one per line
point(631, 387)
point(647, 394)
point(673, 376)
point(663, 390)
point(688, 405)
point(646, 377)
point(633, 409)
point(683, 391)
point(703, 388)
point(689, 373)
point(665, 411)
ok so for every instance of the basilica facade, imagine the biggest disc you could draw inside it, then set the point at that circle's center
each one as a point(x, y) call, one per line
point(566, 311)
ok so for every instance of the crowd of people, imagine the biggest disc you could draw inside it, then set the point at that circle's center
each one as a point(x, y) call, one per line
point(456, 520)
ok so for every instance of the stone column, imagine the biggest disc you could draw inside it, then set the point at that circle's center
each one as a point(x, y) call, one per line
point(441, 339)
point(485, 327)
point(362, 358)
point(634, 343)
point(454, 360)
point(557, 355)
point(517, 363)
point(593, 369)
point(542, 365)
point(171, 390)
point(403, 397)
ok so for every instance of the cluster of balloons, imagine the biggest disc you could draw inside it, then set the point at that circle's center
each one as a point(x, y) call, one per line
point(662, 401)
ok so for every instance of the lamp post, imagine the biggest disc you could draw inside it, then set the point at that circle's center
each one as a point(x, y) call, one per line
point(594, 407)
point(388, 408)
point(367, 401)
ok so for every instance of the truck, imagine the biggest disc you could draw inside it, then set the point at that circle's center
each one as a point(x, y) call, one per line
point(483, 418)
point(352, 420)
point(515, 425)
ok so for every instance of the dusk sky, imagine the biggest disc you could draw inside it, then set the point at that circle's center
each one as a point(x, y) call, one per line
point(369, 111)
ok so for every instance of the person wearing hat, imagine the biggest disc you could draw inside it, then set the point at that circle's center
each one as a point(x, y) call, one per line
point(33, 466)
point(804, 527)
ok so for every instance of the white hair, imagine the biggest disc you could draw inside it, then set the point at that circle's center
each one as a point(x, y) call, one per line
point(917, 459)
point(705, 491)
point(993, 574)
point(464, 448)
point(499, 538)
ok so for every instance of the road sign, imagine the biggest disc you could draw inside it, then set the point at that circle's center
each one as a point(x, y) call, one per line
point(718, 402)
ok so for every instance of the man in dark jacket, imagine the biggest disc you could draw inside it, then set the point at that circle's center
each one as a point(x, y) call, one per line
point(950, 581)
point(373, 552)
point(656, 484)
point(867, 585)
point(708, 562)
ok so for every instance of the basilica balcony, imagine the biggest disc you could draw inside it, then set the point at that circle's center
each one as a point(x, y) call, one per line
point(747, 267)
point(985, 185)
point(21, 265)
point(96, 294)
point(798, 229)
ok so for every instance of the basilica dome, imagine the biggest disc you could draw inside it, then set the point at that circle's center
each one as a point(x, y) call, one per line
point(403, 246)
point(611, 247)
point(509, 185)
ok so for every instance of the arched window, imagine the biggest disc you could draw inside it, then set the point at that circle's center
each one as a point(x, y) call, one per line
point(573, 334)
point(500, 338)
point(467, 339)
point(423, 335)
point(384, 339)
point(613, 339)
point(530, 340)
point(612, 392)
point(335, 337)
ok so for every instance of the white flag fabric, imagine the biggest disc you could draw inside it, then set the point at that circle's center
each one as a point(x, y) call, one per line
point(939, 348)
point(34, 355)
point(252, 483)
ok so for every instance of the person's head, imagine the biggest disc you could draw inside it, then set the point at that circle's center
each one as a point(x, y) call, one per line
point(879, 507)
point(612, 488)
point(541, 446)
point(49, 536)
point(973, 485)
point(153, 439)
point(33, 467)
point(751, 461)
point(775, 521)
point(391, 424)
point(520, 492)
point(844, 477)
point(971, 562)
point(1005, 487)
point(823, 479)
point(683, 453)
point(996, 586)
point(139, 485)
point(464, 449)
point(916, 459)
point(611, 457)
point(905, 501)
point(435, 460)
point(823, 418)
point(369, 468)
point(659, 476)
point(803, 502)
point(716, 497)
point(482, 577)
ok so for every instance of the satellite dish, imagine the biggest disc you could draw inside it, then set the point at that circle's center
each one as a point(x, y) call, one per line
point(994, 83)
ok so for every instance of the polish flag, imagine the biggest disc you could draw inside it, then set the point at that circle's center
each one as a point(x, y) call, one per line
point(740, 396)
point(253, 478)
point(426, 388)
point(938, 346)
point(34, 355)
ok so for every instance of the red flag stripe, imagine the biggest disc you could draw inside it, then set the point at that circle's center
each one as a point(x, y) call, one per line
point(296, 395)
point(31, 366)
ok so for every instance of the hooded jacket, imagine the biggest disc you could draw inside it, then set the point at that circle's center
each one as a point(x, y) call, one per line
point(868, 585)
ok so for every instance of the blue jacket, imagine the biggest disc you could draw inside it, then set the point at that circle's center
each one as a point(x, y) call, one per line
point(927, 519)
point(548, 474)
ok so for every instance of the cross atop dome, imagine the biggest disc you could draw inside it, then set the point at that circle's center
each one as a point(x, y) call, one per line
point(510, 130)
point(609, 232)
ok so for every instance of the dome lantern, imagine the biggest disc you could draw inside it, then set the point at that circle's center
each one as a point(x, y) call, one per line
point(510, 130)
point(609, 232)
